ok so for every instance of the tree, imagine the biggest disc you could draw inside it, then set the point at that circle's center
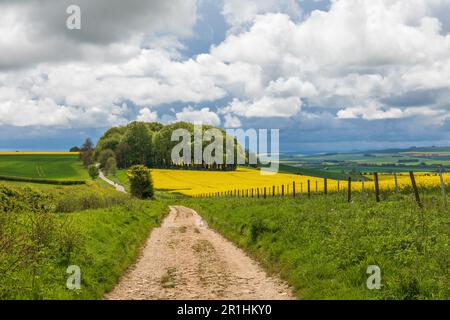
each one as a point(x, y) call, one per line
point(93, 171)
point(139, 139)
point(87, 145)
point(111, 166)
point(74, 149)
point(104, 156)
point(141, 182)
point(122, 152)
point(87, 157)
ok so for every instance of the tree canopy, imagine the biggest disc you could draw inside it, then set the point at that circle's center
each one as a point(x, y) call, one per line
point(150, 144)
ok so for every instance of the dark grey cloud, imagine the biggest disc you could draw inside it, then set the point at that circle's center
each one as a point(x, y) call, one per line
point(413, 98)
point(38, 31)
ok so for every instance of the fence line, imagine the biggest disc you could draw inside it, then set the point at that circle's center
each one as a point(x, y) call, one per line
point(275, 191)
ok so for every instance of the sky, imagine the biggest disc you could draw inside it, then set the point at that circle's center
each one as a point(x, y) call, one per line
point(333, 75)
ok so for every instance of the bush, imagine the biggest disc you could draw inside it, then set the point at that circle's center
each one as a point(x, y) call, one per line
point(23, 200)
point(141, 182)
point(93, 171)
point(104, 156)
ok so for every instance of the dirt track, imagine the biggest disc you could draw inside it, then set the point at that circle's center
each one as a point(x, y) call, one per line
point(184, 259)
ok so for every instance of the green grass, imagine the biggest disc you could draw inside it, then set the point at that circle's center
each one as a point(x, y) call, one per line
point(317, 173)
point(323, 246)
point(52, 167)
point(121, 178)
point(38, 244)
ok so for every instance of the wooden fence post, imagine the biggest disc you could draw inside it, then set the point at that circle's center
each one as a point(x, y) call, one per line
point(273, 191)
point(265, 193)
point(363, 186)
point(377, 187)
point(339, 185)
point(396, 182)
point(444, 193)
point(416, 191)
point(317, 186)
point(293, 188)
point(258, 192)
point(309, 188)
point(282, 190)
point(349, 189)
point(301, 188)
point(325, 186)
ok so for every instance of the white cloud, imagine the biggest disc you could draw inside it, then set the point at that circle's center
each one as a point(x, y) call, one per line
point(266, 107)
point(370, 112)
point(202, 116)
point(292, 87)
point(358, 51)
point(46, 112)
point(146, 115)
point(375, 112)
point(349, 60)
point(232, 122)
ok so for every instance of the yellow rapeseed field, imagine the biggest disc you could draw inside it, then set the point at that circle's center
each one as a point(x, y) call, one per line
point(204, 182)
point(9, 153)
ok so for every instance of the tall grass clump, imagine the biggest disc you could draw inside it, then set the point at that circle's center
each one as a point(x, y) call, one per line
point(85, 200)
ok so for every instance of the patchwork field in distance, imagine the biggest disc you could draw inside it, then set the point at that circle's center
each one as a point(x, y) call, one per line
point(42, 165)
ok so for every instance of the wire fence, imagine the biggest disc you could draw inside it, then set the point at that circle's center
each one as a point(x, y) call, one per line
point(325, 186)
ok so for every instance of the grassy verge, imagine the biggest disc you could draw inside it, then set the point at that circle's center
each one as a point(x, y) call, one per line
point(324, 246)
point(121, 178)
point(102, 242)
point(37, 244)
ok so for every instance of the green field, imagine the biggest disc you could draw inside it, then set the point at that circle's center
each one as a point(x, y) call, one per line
point(323, 246)
point(318, 173)
point(393, 160)
point(39, 166)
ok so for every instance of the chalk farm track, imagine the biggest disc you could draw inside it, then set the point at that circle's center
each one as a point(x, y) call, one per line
point(184, 259)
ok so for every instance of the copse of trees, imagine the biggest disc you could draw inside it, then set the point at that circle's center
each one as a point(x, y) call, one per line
point(104, 156)
point(150, 144)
